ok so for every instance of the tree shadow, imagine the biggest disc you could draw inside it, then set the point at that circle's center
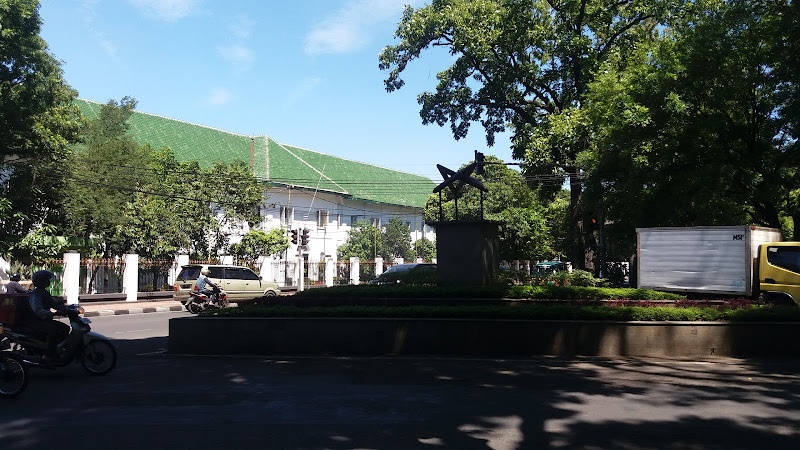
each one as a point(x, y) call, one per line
point(395, 402)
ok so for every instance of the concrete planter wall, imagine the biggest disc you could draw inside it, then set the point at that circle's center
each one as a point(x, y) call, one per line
point(373, 337)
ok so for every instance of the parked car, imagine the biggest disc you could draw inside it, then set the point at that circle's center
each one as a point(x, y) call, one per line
point(549, 267)
point(395, 272)
point(240, 283)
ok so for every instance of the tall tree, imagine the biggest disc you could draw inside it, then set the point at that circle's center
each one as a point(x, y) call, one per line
point(397, 239)
point(37, 122)
point(168, 212)
point(363, 241)
point(692, 130)
point(235, 195)
point(103, 178)
point(524, 65)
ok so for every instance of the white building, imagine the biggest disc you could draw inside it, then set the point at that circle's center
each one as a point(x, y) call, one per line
point(308, 190)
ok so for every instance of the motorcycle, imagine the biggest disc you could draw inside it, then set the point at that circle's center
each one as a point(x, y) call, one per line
point(199, 301)
point(13, 374)
point(95, 352)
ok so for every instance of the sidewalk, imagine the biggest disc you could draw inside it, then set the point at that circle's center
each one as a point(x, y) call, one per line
point(116, 308)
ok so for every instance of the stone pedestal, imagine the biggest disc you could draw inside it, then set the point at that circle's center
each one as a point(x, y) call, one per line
point(467, 252)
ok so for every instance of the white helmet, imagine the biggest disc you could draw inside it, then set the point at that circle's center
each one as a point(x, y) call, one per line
point(205, 271)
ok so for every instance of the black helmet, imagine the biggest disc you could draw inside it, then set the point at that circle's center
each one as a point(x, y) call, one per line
point(42, 278)
point(16, 277)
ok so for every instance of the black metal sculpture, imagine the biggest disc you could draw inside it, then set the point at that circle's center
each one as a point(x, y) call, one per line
point(456, 181)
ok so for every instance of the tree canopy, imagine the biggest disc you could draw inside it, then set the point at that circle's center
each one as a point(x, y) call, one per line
point(695, 128)
point(397, 239)
point(38, 121)
point(259, 242)
point(363, 241)
point(523, 65)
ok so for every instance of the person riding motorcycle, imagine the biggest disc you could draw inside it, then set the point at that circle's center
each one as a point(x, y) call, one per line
point(13, 286)
point(38, 316)
point(203, 282)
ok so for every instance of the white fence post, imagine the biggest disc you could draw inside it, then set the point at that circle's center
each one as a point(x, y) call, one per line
point(71, 281)
point(130, 278)
point(226, 260)
point(330, 270)
point(378, 265)
point(399, 261)
point(299, 272)
point(266, 271)
point(355, 273)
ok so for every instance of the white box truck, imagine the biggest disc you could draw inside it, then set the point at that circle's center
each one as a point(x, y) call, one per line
point(737, 261)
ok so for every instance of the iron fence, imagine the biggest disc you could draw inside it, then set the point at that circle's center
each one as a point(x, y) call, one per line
point(101, 275)
point(154, 275)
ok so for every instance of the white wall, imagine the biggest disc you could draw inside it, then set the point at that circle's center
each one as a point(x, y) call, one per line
point(324, 240)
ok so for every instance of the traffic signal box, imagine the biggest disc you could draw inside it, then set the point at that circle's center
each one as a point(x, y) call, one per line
point(294, 237)
point(304, 237)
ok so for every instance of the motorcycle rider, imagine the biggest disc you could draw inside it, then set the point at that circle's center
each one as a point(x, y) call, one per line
point(203, 282)
point(13, 286)
point(38, 315)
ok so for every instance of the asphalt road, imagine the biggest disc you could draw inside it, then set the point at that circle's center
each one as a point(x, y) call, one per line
point(154, 400)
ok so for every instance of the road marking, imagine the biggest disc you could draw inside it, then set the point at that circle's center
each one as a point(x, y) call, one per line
point(133, 331)
point(157, 352)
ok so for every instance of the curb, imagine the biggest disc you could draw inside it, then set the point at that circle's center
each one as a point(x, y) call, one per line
point(126, 311)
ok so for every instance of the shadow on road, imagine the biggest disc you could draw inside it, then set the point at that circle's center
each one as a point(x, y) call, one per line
point(160, 400)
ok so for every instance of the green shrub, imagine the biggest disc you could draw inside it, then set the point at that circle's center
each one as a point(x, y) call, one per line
point(522, 312)
point(582, 278)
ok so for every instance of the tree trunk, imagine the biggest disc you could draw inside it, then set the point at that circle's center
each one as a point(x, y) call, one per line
point(577, 245)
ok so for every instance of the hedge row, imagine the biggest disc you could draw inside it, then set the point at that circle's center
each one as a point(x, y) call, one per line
point(524, 312)
point(497, 292)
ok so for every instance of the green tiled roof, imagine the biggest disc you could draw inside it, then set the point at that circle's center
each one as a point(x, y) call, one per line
point(274, 162)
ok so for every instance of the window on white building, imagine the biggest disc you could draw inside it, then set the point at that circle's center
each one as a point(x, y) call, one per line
point(322, 219)
point(287, 215)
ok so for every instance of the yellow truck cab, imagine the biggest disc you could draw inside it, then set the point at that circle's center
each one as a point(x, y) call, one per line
point(779, 272)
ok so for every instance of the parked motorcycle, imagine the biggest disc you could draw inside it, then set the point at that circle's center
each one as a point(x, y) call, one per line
point(95, 352)
point(13, 374)
point(199, 301)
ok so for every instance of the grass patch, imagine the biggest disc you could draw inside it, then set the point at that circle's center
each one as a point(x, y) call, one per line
point(488, 292)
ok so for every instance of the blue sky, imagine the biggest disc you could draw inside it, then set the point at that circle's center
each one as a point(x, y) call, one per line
point(303, 72)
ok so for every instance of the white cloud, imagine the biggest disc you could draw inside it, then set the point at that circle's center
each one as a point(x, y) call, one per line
point(240, 56)
point(89, 14)
point(166, 10)
point(349, 29)
point(219, 97)
point(301, 91)
point(241, 26)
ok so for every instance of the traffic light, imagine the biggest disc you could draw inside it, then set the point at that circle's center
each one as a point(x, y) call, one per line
point(294, 237)
point(304, 237)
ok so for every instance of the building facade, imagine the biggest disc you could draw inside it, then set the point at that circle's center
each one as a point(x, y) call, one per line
point(305, 189)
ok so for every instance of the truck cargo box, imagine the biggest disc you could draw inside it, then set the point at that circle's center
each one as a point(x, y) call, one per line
point(713, 260)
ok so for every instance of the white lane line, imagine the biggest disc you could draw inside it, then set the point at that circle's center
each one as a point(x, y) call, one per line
point(133, 331)
point(157, 352)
